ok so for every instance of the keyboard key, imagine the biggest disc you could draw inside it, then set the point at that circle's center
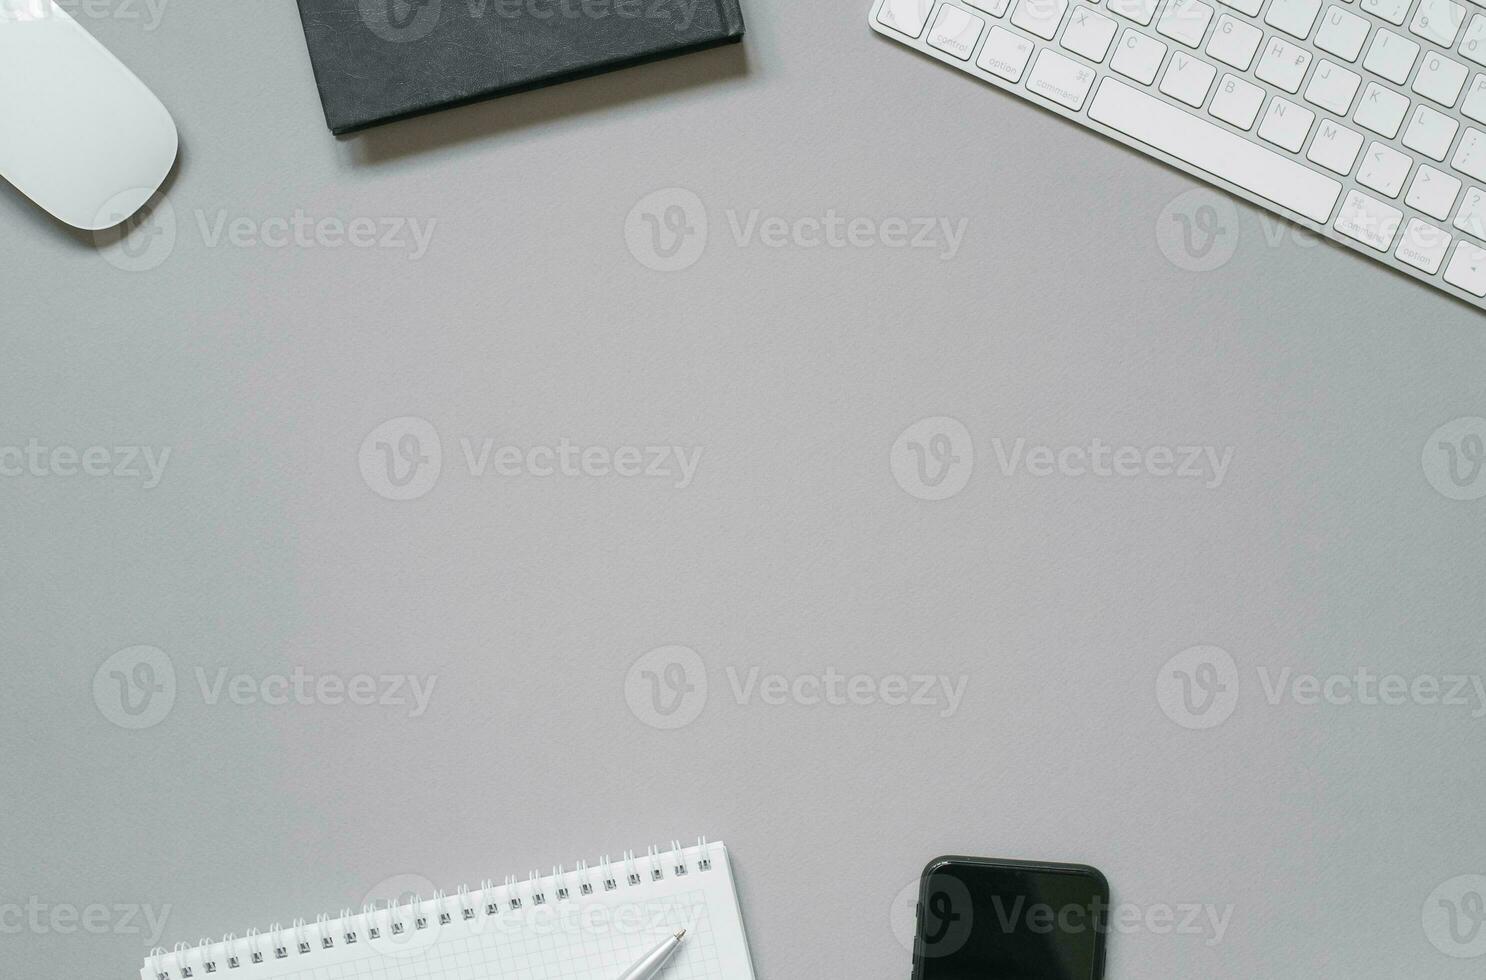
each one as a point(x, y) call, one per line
point(1185, 21)
point(1286, 124)
point(1089, 34)
point(1250, 7)
point(1332, 87)
point(1438, 21)
point(1423, 246)
point(1138, 56)
point(1393, 11)
point(1294, 17)
point(1283, 64)
point(1468, 269)
point(1040, 17)
point(1381, 110)
point(907, 16)
point(1474, 45)
point(996, 8)
point(1188, 79)
point(1472, 216)
point(1237, 102)
point(1342, 33)
point(1335, 147)
point(1061, 79)
point(1441, 79)
point(1391, 56)
point(1209, 147)
point(1005, 54)
point(1369, 221)
point(1384, 169)
point(1475, 100)
point(1433, 192)
point(1470, 155)
point(1140, 11)
point(1234, 42)
point(956, 31)
point(1431, 133)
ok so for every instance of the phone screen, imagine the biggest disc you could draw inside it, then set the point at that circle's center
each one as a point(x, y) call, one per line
point(1011, 921)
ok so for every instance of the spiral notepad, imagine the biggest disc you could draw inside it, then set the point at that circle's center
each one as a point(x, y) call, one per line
point(588, 923)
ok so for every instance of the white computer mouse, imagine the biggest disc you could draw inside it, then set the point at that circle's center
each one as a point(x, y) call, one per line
point(79, 134)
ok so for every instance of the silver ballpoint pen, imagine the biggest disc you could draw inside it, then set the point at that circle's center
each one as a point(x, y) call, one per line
point(655, 960)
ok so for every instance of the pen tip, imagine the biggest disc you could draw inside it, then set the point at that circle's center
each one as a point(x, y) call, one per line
point(681, 934)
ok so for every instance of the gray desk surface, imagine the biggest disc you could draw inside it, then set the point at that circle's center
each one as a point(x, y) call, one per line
point(793, 549)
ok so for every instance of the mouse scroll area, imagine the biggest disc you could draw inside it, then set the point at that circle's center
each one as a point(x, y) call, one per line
point(80, 134)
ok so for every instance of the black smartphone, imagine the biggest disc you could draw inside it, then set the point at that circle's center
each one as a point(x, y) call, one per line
point(984, 919)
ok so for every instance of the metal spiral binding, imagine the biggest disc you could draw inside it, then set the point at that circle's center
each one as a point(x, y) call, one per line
point(217, 957)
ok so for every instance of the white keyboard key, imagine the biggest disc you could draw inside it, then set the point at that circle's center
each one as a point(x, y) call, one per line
point(1384, 169)
point(1433, 192)
point(1138, 56)
point(1249, 7)
point(1393, 11)
point(1286, 124)
point(1468, 269)
point(1140, 11)
point(1423, 246)
point(1332, 87)
point(1185, 21)
point(1209, 147)
point(1342, 33)
point(1294, 17)
point(956, 31)
point(1474, 45)
point(1391, 56)
point(907, 16)
point(1237, 102)
point(1472, 216)
point(1441, 79)
point(1061, 79)
point(1040, 17)
point(1088, 34)
point(1335, 147)
point(1381, 110)
point(1438, 21)
point(1475, 99)
point(1234, 42)
point(1283, 64)
point(996, 8)
point(1188, 79)
point(1369, 221)
point(1431, 133)
point(1470, 155)
point(1005, 54)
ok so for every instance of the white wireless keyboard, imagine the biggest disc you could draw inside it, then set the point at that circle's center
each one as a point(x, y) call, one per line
point(1363, 120)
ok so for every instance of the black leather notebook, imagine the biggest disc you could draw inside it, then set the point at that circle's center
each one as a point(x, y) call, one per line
point(380, 60)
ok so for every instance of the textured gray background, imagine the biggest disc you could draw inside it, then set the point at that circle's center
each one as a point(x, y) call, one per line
point(795, 549)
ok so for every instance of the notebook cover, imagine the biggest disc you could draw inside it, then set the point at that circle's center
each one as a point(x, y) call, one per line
point(380, 60)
